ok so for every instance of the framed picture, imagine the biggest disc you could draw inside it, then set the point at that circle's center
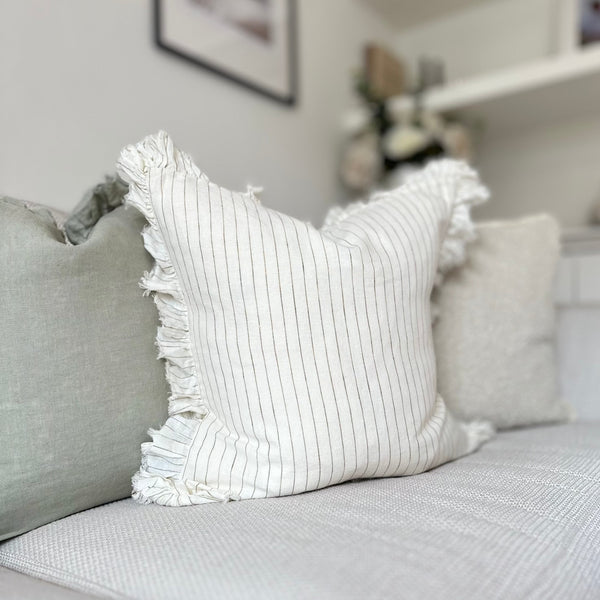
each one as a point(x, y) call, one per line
point(589, 21)
point(250, 42)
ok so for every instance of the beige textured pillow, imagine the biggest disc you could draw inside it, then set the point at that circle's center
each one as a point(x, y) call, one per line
point(494, 337)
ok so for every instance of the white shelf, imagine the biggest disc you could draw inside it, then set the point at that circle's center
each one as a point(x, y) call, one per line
point(403, 14)
point(541, 91)
point(581, 240)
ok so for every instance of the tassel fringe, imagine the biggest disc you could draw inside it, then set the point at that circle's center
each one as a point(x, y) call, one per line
point(160, 478)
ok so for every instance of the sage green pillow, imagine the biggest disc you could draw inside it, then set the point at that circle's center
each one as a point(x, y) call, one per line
point(79, 379)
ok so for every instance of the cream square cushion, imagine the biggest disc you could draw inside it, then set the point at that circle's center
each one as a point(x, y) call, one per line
point(297, 358)
point(495, 334)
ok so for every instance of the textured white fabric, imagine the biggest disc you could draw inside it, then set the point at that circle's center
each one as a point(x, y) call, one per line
point(518, 520)
point(495, 333)
point(297, 358)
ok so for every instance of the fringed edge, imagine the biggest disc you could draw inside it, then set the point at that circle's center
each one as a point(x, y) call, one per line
point(462, 189)
point(477, 433)
point(336, 214)
point(168, 452)
point(160, 478)
point(155, 489)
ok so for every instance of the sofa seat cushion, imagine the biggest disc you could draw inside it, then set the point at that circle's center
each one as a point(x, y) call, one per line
point(518, 519)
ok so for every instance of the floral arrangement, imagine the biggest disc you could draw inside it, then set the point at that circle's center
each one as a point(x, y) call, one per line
point(382, 146)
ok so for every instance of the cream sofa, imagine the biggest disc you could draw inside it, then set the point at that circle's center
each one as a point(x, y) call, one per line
point(518, 519)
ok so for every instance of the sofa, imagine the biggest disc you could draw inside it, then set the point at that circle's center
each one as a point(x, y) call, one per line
point(518, 518)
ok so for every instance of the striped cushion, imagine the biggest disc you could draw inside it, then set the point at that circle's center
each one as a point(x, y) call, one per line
point(297, 358)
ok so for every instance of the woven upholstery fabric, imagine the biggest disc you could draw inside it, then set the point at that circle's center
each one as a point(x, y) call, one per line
point(76, 332)
point(297, 358)
point(495, 334)
point(520, 519)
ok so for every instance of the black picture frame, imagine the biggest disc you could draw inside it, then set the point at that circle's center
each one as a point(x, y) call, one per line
point(289, 98)
point(589, 22)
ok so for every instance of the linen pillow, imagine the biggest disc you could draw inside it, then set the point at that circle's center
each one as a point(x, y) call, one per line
point(100, 200)
point(297, 358)
point(76, 334)
point(495, 334)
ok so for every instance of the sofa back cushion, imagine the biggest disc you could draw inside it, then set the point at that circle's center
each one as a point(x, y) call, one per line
point(79, 379)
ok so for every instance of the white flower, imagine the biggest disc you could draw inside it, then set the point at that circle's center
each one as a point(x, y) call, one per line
point(361, 163)
point(403, 141)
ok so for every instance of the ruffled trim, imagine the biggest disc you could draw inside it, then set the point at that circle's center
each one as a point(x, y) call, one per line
point(477, 433)
point(151, 488)
point(167, 452)
point(461, 188)
point(160, 478)
point(337, 214)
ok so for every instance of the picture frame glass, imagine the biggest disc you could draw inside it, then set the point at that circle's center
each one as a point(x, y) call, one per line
point(248, 41)
point(589, 22)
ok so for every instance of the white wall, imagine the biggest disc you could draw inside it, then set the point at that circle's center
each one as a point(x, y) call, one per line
point(553, 168)
point(488, 35)
point(82, 78)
